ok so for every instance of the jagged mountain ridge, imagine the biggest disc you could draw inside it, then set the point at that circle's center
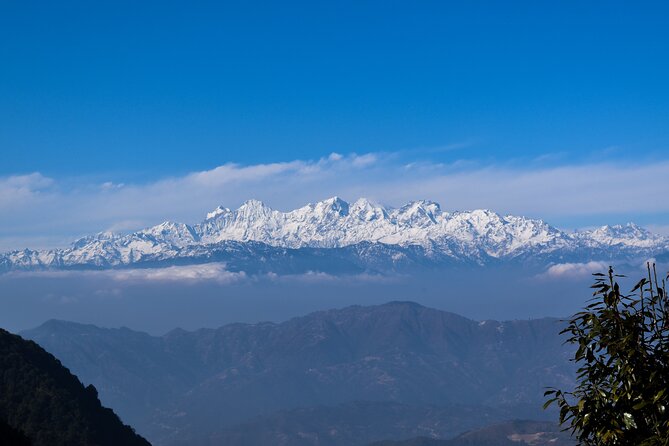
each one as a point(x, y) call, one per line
point(417, 232)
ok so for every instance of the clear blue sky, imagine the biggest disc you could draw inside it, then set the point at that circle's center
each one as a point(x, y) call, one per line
point(163, 88)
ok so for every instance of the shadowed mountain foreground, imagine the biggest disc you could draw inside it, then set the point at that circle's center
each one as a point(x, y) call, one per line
point(42, 403)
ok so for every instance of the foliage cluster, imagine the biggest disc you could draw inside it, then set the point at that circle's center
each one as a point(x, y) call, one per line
point(622, 392)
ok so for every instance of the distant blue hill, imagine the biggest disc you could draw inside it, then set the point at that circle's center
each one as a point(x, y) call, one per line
point(428, 367)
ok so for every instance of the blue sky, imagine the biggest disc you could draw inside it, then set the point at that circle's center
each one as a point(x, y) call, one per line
point(97, 96)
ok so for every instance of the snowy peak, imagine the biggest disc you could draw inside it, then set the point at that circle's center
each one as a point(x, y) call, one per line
point(218, 211)
point(332, 206)
point(420, 213)
point(99, 237)
point(628, 234)
point(253, 208)
point(178, 234)
point(477, 236)
point(335, 223)
point(365, 210)
point(629, 230)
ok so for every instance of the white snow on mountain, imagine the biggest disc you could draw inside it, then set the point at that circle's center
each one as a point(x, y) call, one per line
point(625, 235)
point(478, 236)
point(334, 223)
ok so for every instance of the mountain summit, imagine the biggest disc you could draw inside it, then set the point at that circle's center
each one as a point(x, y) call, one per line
point(419, 232)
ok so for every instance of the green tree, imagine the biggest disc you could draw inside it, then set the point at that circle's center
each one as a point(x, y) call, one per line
point(622, 394)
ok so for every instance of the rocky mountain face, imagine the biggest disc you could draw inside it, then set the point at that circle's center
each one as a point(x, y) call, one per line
point(193, 386)
point(334, 235)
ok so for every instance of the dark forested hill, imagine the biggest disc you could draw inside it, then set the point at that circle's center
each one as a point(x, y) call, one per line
point(184, 385)
point(43, 402)
point(10, 436)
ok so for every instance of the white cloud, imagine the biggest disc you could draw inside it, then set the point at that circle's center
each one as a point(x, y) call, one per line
point(231, 173)
point(215, 273)
point(575, 270)
point(210, 272)
point(31, 182)
point(17, 189)
point(108, 185)
point(364, 160)
point(34, 206)
point(316, 277)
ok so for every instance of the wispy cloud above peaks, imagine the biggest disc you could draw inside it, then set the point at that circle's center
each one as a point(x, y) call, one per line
point(17, 188)
point(109, 185)
point(29, 182)
point(36, 208)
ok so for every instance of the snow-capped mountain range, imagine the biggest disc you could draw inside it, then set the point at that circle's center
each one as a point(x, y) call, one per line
point(335, 235)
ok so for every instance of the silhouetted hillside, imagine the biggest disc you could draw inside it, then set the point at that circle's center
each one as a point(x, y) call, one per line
point(10, 436)
point(187, 384)
point(42, 400)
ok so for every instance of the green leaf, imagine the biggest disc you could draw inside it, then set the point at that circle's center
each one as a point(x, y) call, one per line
point(659, 395)
point(640, 405)
point(641, 283)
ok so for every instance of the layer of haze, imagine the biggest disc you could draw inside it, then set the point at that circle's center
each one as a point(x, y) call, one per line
point(156, 303)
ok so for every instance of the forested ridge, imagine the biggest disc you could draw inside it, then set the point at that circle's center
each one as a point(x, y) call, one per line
point(41, 400)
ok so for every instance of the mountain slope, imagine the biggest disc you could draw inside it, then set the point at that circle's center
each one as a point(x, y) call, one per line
point(257, 238)
point(190, 383)
point(44, 401)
